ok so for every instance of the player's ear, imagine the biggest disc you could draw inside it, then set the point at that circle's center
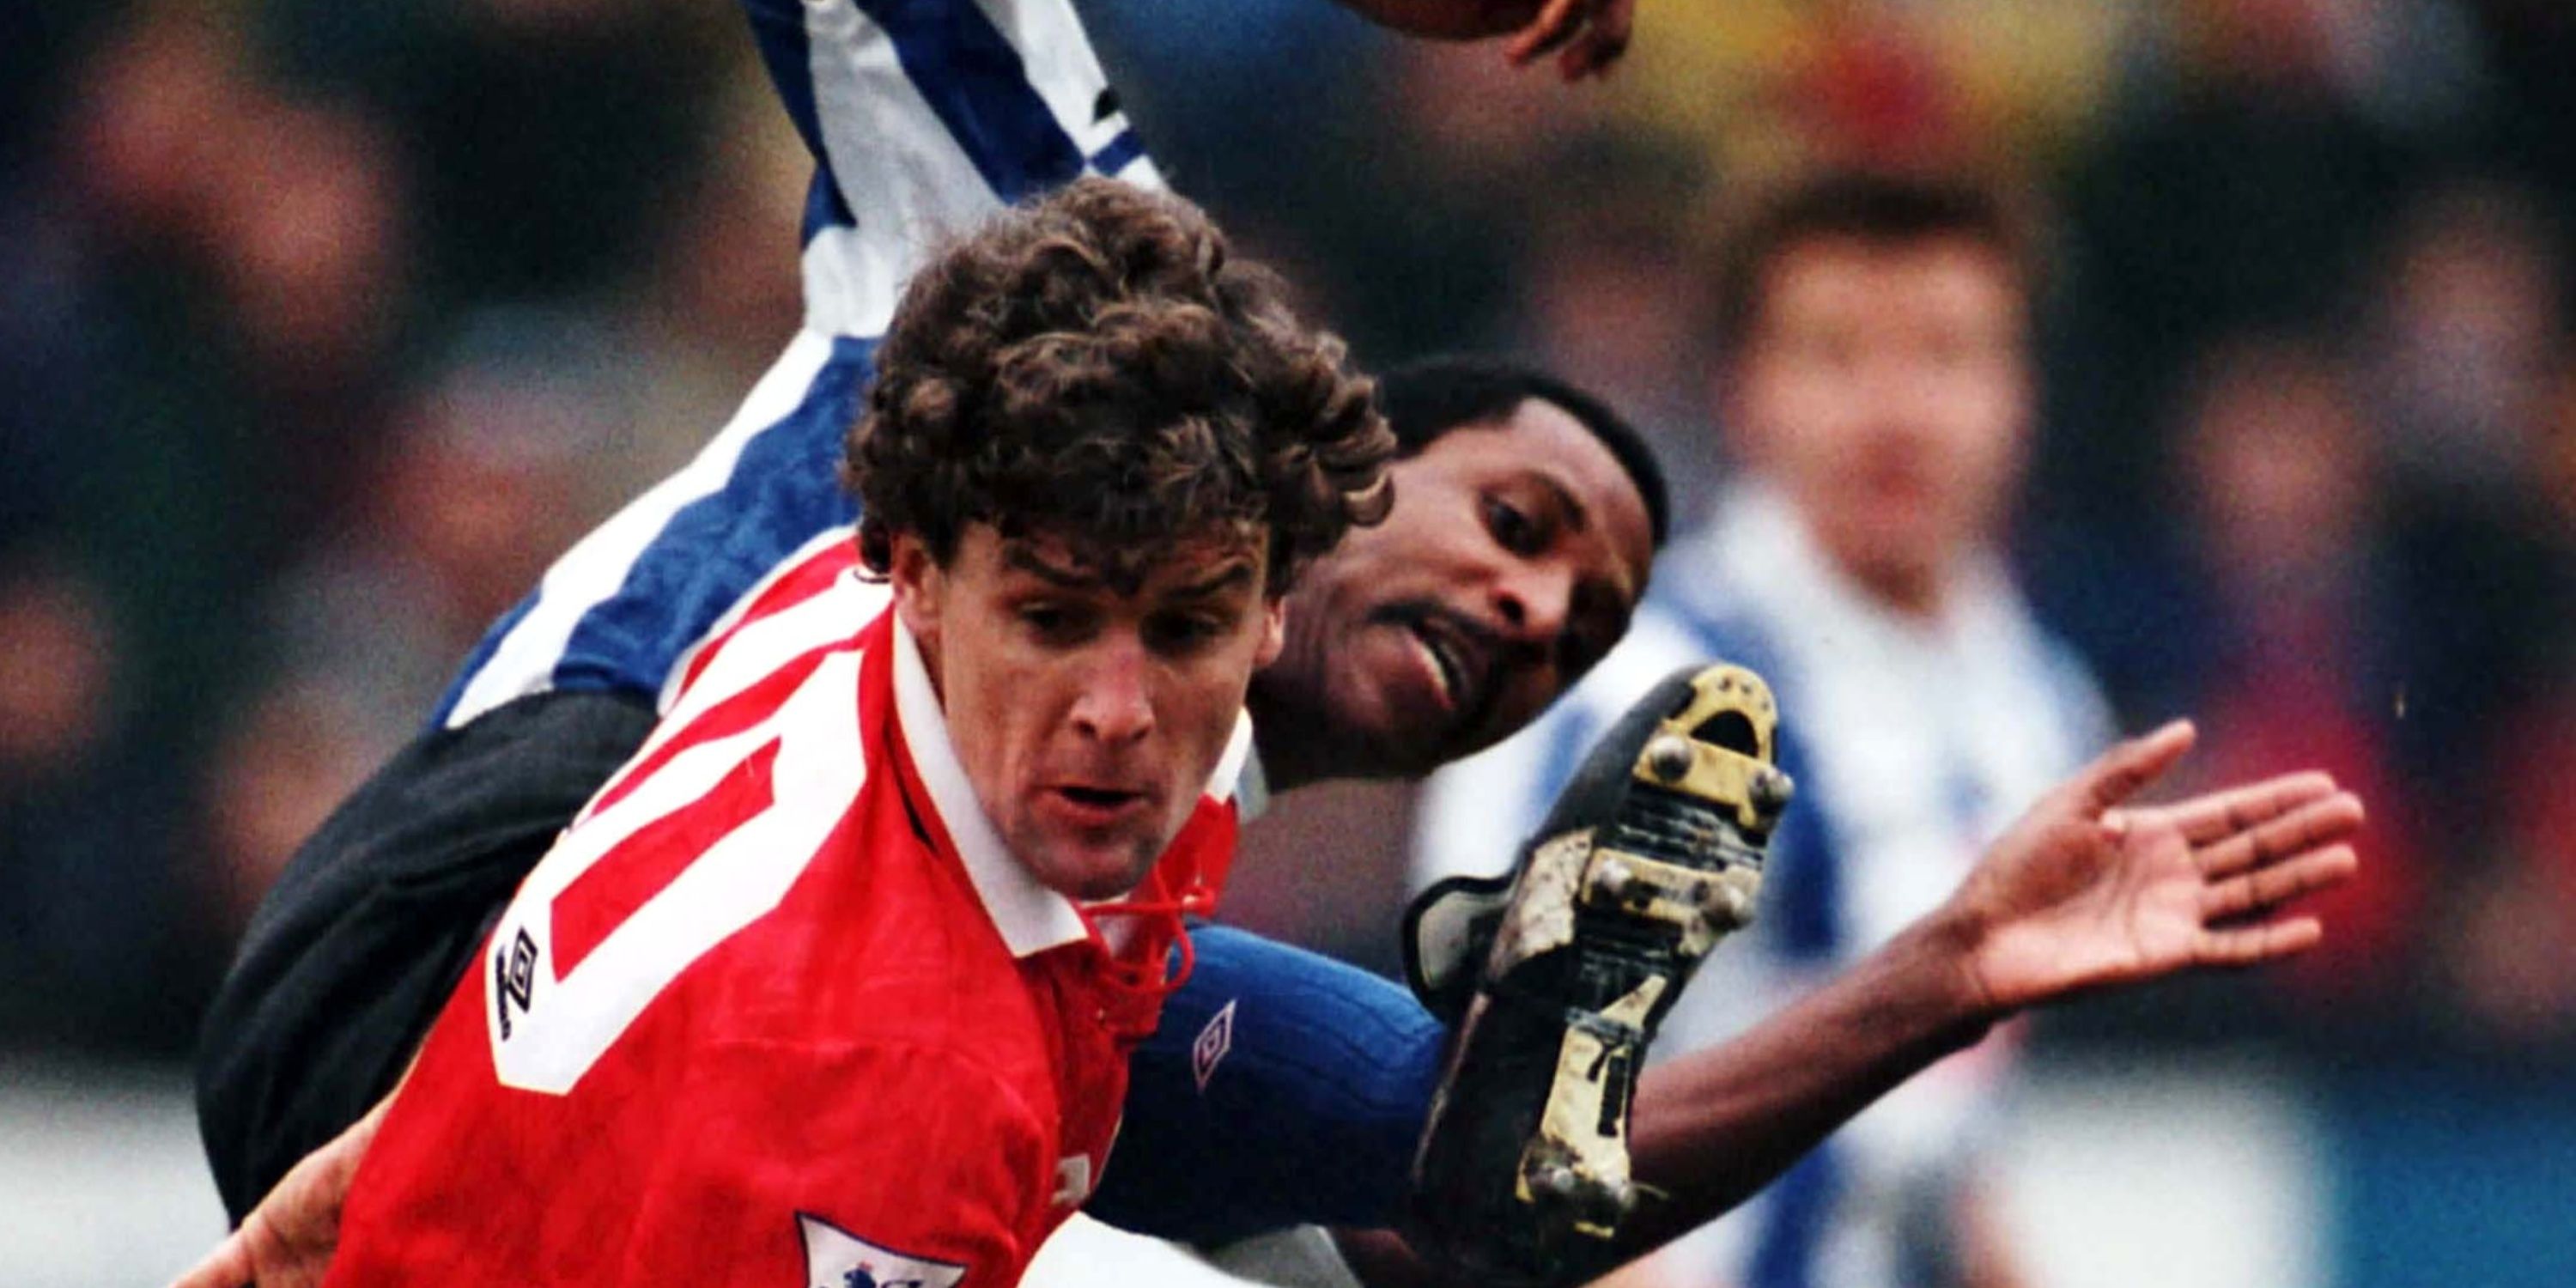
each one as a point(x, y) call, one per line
point(920, 589)
point(1274, 630)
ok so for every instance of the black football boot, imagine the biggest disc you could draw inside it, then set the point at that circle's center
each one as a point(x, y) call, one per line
point(1556, 976)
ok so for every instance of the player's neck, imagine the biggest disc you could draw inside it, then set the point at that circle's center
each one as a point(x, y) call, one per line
point(1917, 593)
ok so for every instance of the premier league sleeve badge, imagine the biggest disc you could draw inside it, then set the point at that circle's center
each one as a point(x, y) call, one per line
point(836, 1258)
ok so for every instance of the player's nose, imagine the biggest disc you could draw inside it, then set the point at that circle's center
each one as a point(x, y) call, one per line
point(1114, 705)
point(1531, 603)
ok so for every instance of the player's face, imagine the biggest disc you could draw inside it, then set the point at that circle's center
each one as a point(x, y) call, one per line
point(1509, 565)
point(1887, 388)
point(1088, 708)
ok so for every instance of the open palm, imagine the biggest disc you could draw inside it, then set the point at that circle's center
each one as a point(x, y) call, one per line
point(2086, 891)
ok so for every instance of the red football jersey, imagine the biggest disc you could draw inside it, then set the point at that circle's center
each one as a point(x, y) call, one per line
point(778, 1009)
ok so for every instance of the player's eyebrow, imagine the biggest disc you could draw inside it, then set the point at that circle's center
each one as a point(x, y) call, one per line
point(1124, 579)
point(1063, 576)
point(1234, 574)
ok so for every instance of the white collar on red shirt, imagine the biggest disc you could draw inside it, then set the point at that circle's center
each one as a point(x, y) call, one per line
point(1031, 916)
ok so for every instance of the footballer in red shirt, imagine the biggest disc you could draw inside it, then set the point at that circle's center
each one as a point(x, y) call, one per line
point(834, 983)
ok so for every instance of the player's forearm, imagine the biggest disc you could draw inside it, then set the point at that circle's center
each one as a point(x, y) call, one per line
point(1713, 1127)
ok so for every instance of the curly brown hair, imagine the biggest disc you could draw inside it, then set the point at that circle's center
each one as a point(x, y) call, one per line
point(1096, 366)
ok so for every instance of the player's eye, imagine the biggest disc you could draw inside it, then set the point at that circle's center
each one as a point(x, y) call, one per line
point(1055, 623)
point(1182, 632)
point(1512, 527)
point(1835, 348)
point(1951, 350)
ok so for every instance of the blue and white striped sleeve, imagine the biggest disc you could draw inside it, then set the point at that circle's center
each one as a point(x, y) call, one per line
point(923, 117)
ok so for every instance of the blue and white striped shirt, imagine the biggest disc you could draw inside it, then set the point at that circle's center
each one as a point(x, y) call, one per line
point(924, 117)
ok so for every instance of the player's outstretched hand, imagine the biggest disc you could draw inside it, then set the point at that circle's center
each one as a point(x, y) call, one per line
point(2087, 891)
point(1587, 36)
point(288, 1239)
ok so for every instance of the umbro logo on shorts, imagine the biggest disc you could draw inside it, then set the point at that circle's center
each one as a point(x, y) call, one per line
point(1212, 1044)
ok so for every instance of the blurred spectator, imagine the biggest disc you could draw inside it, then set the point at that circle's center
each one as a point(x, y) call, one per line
point(542, 136)
point(150, 124)
point(2461, 356)
point(1874, 377)
point(487, 475)
point(488, 480)
point(46, 362)
point(2246, 196)
point(2466, 320)
point(1767, 86)
point(723, 292)
point(1428, 234)
point(489, 470)
point(1610, 298)
point(2510, 955)
point(1872, 92)
point(213, 272)
point(2303, 660)
point(307, 221)
point(2529, 45)
point(2554, 453)
point(38, 45)
point(56, 672)
point(228, 300)
point(295, 753)
point(95, 941)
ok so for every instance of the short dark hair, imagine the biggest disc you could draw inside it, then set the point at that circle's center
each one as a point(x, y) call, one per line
point(1426, 399)
point(1876, 207)
point(1097, 366)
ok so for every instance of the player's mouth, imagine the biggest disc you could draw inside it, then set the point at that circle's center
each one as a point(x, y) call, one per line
point(1458, 658)
point(1894, 476)
point(1094, 806)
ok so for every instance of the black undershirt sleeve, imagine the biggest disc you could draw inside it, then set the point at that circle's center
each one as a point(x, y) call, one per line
point(356, 949)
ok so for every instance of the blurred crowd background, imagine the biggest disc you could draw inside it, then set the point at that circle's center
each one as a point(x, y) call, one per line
point(324, 326)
